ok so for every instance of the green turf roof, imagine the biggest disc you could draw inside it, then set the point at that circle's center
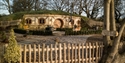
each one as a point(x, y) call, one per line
point(19, 15)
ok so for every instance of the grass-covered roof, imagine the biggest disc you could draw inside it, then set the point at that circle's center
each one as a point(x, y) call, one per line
point(19, 15)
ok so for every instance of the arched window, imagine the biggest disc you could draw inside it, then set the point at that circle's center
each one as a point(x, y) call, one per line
point(78, 22)
point(28, 21)
point(41, 21)
point(72, 21)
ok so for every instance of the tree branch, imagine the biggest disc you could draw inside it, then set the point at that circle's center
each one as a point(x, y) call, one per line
point(116, 43)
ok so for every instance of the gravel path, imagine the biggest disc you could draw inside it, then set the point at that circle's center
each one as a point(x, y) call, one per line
point(34, 39)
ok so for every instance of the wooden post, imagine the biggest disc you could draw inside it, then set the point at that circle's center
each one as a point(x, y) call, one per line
point(47, 54)
point(83, 53)
point(93, 51)
point(102, 48)
point(96, 52)
point(29, 53)
point(64, 48)
point(99, 49)
point(72, 53)
point(89, 52)
point(39, 50)
point(68, 53)
point(56, 53)
point(60, 53)
point(43, 57)
point(79, 53)
point(34, 50)
point(51, 53)
point(25, 53)
point(86, 56)
point(75, 53)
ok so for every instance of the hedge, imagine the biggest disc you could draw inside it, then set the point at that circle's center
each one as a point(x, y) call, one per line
point(33, 32)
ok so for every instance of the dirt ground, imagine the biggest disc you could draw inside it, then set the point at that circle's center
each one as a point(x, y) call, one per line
point(34, 39)
point(95, 38)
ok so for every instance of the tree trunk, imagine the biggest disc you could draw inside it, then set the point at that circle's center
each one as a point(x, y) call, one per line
point(106, 20)
point(112, 17)
point(111, 51)
point(107, 27)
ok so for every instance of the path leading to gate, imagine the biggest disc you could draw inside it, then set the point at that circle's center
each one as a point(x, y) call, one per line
point(34, 39)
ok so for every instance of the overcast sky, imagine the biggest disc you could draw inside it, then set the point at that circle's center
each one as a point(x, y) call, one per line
point(3, 11)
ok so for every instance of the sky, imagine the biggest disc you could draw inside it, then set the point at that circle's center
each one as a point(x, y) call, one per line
point(3, 11)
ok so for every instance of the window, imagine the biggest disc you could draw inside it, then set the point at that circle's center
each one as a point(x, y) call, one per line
point(72, 21)
point(41, 21)
point(28, 21)
point(78, 22)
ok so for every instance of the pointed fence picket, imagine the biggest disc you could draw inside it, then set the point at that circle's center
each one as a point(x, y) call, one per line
point(61, 53)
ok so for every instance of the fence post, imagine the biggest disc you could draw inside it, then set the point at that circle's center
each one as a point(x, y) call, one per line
point(102, 48)
point(79, 53)
point(34, 50)
point(83, 53)
point(75, 53)
point(86, 56)
point(72, 53)
point(68, 53)
point(56, 53)
point(64, 48)
point(96, 52)
point(99, 49)
point(51, 53)
point(47, 54)
point(89, 52)
point(20, 61)
point(93, 51)
point(39, 50)
point(43, 60)
point(29, 47)
point(25, 53)
point(60, 53)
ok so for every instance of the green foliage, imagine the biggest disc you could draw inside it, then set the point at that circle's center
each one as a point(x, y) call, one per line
point(63, 29)
point(19, 15)
point(3, 35)
point(21, 31)
point(12, 52)
point(33, 32)
point(83, 32)
point(6, 18)
point(85, 18)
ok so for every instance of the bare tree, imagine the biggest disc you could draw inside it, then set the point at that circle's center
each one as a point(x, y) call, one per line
point(36, 5)
point(22, 5)
point(90, 7)
point(59, 5)
point(43, 4)
point(7, 5)
point(114, 48)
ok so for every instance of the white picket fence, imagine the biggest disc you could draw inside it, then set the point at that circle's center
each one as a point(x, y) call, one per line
point(61, 53)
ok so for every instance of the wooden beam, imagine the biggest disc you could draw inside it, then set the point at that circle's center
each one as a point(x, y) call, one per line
point(109, 33)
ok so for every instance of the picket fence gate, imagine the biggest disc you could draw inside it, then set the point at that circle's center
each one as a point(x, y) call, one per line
point(61, 53)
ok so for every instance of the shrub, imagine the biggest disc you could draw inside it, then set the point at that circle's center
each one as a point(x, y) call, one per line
point(21, 31)
point(33, 32)
point(64, 29)
point(12, 52)
point(85, 32)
